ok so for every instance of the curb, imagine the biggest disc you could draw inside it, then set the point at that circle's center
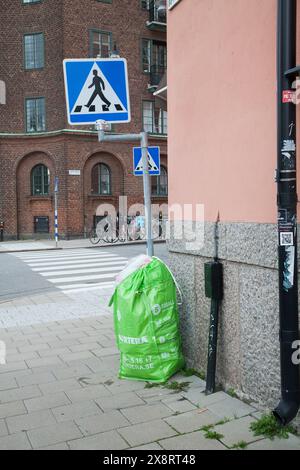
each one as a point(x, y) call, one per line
point(138, 242)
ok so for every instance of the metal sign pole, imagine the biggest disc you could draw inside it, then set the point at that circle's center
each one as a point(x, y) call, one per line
point(143, 138)
point(147, 193)
point(56, 212)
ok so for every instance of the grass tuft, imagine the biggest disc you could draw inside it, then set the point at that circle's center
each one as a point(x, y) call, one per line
point(213, 435)
point(240, 445)
point(190, 372)
point(268, 427)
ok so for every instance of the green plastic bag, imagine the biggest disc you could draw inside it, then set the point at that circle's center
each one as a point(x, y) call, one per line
point(146, 324)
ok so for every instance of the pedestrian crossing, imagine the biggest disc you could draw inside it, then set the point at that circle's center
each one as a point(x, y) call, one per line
point(75, 270)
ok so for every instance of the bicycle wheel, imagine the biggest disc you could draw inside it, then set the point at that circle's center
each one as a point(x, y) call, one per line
point(94, 239)
point(109, 239)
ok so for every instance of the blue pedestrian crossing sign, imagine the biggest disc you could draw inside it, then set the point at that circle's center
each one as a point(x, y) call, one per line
point(153, 161)
point(96, 89)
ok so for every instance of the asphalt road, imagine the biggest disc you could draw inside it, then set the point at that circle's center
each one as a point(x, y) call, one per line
point(17, 278)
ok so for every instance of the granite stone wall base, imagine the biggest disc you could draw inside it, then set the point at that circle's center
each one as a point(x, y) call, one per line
point(248, 345)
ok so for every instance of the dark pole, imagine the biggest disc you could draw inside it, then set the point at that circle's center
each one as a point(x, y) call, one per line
point(213, 272)
point(287, 211)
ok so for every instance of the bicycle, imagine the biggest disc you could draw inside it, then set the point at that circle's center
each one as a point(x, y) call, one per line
point(103, 233)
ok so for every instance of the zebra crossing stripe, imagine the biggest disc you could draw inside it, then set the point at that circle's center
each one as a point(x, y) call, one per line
point(68, 257)
point(82, 271)
point(82, 278)
point(78, 262)
point(74, 266)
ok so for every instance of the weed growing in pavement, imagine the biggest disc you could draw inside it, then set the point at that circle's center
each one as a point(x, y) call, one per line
point(268, 426)
point(190, 372)
point(232, 393)
point(213, 435)
point(177, 386)
point(223, 421)
point(240, 445)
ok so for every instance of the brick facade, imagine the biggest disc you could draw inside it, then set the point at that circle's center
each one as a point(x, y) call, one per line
point(66, 25)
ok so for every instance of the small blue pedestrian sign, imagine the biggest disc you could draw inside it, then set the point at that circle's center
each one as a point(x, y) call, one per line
point(96, 89)
point(153, 161)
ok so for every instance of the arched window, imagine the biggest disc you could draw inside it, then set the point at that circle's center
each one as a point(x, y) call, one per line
point(101, 179)
point(160, 183)
point(40, 180)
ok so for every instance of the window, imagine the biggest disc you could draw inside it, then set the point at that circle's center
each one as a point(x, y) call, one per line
point(101, 179)
point(40, 180)
point(31, 1)
point(154, 55)
point(172, 3)
point(155, 120)
point(160, 183)
point(35, 114)
point(145, 4)
point(34, 51)
point(100, 44)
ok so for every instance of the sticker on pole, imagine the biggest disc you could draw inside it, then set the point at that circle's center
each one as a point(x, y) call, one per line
point(286, 239)
point(153, 161)
point(288, 96)
point(96, 89)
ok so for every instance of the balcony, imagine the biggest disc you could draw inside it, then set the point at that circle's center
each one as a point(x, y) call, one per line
point(157, 15)
point(156, 74)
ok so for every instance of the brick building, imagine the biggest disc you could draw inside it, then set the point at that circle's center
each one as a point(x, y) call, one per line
point(36, 142)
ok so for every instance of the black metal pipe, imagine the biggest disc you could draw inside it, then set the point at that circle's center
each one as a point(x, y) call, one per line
point(289, 405)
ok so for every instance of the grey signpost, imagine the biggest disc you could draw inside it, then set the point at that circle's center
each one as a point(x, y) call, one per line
point(56, 211)
point(143, 139)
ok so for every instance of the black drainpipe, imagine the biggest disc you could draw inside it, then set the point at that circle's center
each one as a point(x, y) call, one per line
point(287, 211)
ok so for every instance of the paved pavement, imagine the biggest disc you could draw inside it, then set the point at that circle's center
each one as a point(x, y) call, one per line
point(59, 388)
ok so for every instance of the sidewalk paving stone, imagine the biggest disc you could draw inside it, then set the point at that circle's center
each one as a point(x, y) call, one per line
point(293, 443)
point(87, 393)
point(230, 408)
point(120, 401)
point(101, 423)
point(201, 400)
point(54, 352)
point(178, 404)
point(30, 421)
point(15, 441)
point(146, 413)
point(44, 362)
point(47, 402)
point(60, 386)
point(106, 440)
point(192, 420)
point(75, 411)
point(143, 433)
point(237, 430)
point(25, 356)
point(54, 434)
point(70, 371)
point(36, 379)
point(22, 393)
point(7, 383)
point(192, 441)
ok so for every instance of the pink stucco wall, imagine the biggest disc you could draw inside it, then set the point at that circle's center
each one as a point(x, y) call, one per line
point(222, 107)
